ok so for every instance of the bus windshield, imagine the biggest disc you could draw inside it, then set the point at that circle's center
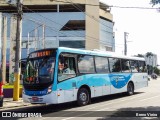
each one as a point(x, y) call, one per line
point(39, 70)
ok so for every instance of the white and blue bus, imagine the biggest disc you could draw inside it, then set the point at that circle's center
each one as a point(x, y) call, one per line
point(91, 74)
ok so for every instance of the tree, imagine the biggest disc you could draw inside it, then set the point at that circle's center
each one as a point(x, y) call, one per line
point(156, 70)
point(148, 54)
point(139, 55)
point(154, 2)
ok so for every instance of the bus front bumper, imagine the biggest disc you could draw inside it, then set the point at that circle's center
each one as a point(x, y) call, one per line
point(45, 99)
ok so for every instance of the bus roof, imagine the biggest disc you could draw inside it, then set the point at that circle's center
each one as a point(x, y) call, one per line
point(98, 53)
point(91, 52)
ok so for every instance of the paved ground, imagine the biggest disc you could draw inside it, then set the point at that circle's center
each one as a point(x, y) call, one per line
point(9, 103)
point(145, 99)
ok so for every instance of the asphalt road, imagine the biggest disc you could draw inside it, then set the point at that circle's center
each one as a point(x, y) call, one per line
point(144, 104)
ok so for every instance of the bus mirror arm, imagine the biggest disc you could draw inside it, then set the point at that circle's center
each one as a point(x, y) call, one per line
point(21, 76)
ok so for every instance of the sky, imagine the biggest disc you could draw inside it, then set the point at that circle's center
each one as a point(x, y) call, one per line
point(142, 26)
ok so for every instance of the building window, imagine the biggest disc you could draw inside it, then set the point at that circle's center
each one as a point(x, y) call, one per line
point(74, 25)
point(108, 48)
point(72, 44)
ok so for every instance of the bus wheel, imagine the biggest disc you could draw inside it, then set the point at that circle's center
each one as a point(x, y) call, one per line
point(130, 89)
point(83, 97)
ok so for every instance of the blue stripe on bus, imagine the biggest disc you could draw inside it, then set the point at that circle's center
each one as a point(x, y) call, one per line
point(117, 80)
point(120, 80)
point(36, 93)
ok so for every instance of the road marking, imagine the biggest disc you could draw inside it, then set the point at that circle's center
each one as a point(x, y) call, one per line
point(123, 99)
point(113, 102)
point(90, 108)
point(150, 98)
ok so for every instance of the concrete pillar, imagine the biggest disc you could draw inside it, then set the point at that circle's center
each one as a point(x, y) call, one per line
point(4, 41)
point(92, 25)
point(13, 26)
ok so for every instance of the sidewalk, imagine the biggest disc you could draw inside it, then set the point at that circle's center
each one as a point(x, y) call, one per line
point(8, 103)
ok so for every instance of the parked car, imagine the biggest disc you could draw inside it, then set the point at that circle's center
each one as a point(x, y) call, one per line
point(154, 76)
point(149, 77)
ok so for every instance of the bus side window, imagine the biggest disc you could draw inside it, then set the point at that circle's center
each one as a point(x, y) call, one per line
point(134, 66)
point(101, 64)
point(115, 65)
point(142, 66)
point(125, 65)
point(66, 68)
point(86, 64)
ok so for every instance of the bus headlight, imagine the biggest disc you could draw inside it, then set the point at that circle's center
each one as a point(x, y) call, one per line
point(49, 89)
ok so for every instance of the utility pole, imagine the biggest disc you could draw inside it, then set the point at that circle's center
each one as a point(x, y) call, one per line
point(28, 45)
point(125, 43)
point(43, 37)
point(3, 65)
point(35, 38)
point(18, 52)
point(4, 40)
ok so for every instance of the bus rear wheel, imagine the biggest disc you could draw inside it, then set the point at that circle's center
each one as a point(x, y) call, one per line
point(83, 97)
point(130, 89)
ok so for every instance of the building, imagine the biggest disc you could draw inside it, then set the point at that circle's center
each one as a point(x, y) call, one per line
point(151, 60)
point(84, 24)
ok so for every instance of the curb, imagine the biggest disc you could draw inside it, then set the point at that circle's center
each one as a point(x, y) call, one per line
point(15, 107)
point(10, 104)
point(1, 108)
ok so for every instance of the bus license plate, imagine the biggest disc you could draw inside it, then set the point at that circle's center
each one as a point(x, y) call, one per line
point(35, 99)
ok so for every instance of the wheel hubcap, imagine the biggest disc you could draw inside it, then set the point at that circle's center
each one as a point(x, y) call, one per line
point(83, 97)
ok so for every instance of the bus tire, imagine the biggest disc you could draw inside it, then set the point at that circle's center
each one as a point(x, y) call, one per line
point(83, 97)
point(130, 88)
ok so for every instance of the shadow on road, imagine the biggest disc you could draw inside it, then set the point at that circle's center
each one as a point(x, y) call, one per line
point(139, 113)
point(59, 109)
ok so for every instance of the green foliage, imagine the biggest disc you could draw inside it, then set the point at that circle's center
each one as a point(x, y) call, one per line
point(139, 55)
point(8, 86)
point(149, 54)
point(156, 70)
point(154, 2)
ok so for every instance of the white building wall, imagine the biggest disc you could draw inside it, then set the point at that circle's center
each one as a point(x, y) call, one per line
point(151, 60)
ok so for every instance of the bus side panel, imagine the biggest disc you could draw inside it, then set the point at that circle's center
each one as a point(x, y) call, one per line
point(99, 85)
point(67, 90)
point(140, 80)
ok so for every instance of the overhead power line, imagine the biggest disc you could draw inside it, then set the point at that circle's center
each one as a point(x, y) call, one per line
point(77, 34)
point(111, 6)
point(95, 39)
